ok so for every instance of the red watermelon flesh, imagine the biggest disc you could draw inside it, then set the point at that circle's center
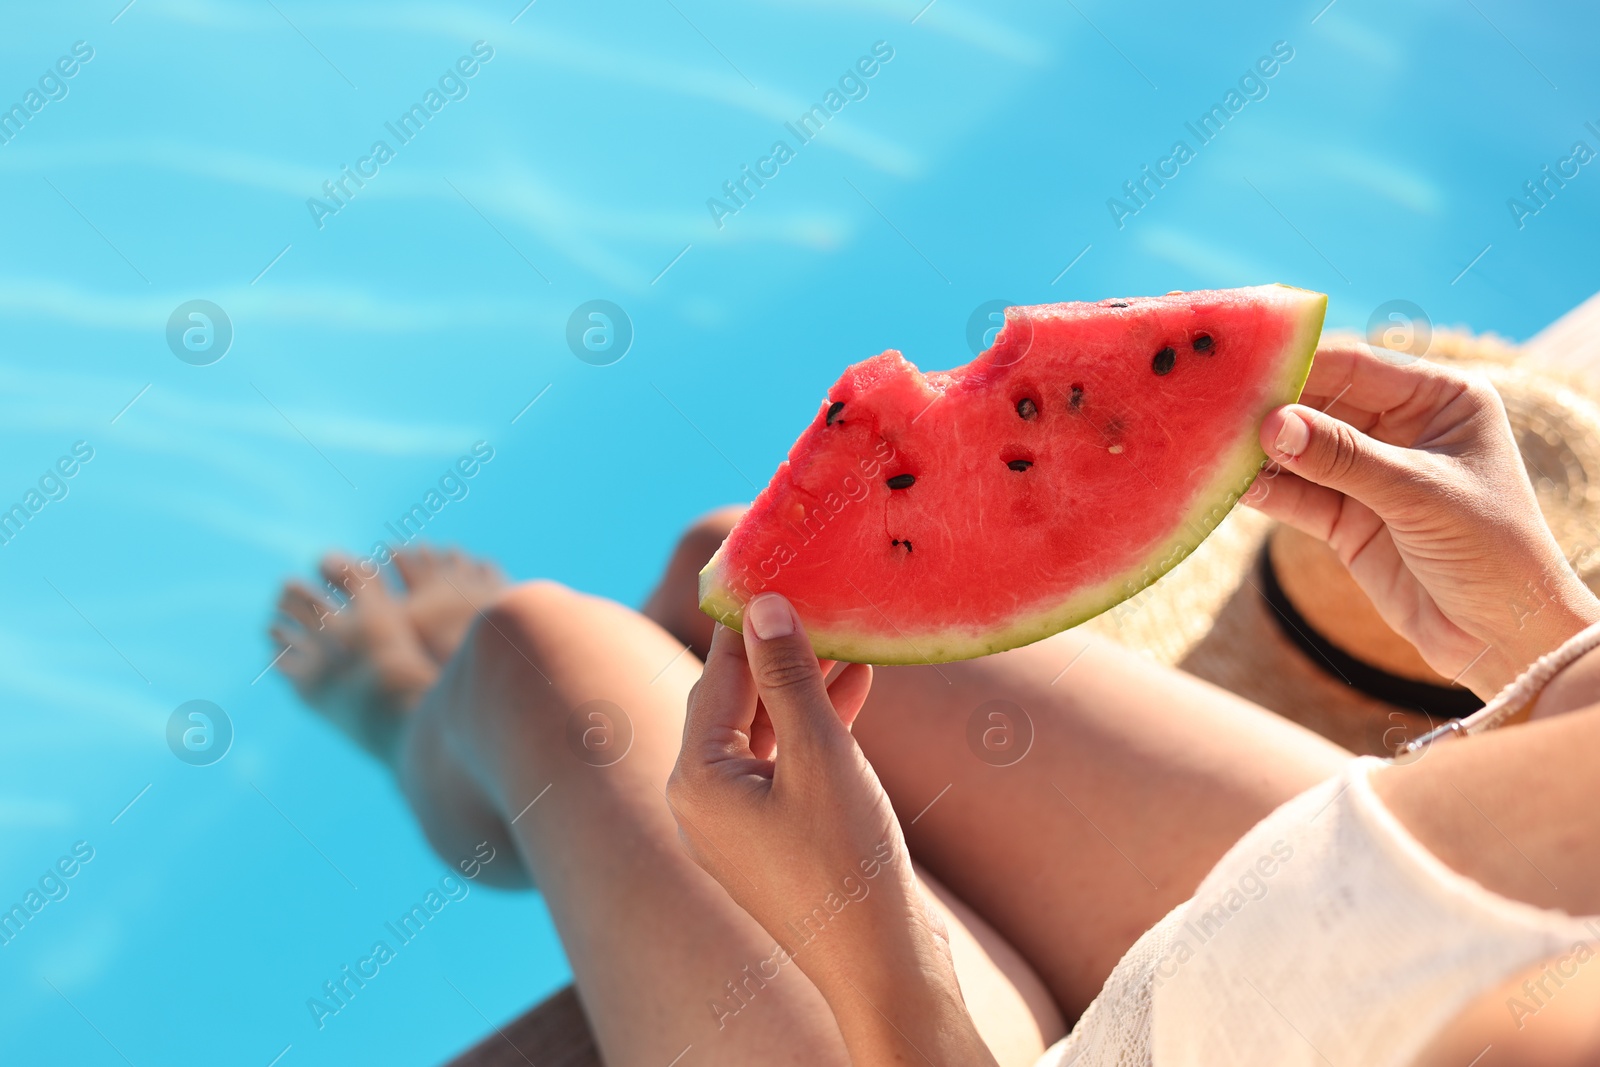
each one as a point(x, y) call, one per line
point(925, 518)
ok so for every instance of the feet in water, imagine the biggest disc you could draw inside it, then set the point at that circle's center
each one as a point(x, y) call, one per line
point(365, 659)
point(367, 656)
point(446, 591)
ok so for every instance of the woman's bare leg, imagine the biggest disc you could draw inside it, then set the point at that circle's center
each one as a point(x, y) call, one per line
point(674, 605)
point(511, 741)
point(1136, 780)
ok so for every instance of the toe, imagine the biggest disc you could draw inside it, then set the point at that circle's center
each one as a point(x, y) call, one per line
point(285, 636)
point(416, 565)
point(345, 574)
point(406, 563)
point(304, 605)
point(357, 662)
point(452, 565)
point(475, 579)
point(466, 570)
point(298, 656)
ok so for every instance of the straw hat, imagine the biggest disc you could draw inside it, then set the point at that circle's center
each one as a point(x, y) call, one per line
point(1271, 614)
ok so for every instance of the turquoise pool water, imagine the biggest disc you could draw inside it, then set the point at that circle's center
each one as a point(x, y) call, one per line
point(419, 304)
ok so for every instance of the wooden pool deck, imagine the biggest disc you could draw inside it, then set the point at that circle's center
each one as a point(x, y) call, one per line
point(551, 1034)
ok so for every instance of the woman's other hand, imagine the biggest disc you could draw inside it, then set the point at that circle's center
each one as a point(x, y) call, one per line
point(1409, 470)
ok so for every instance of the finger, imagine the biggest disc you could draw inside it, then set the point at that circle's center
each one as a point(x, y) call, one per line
point(1289, 498)
point(848, 692)
point(763, 742)
point(1378, 568)
point(1363, 377)
point(1331, 453)
point(1344, 523)
point(788, 677)
point(1365, 421)
point(722, 703)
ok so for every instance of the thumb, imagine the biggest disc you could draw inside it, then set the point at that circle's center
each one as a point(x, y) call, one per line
point(1330, 452)
point(788, 677)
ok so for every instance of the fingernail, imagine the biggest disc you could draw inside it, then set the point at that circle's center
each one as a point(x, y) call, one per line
point(1293, 436)
point(770, 616)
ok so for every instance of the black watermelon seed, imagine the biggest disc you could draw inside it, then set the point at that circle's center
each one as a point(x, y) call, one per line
point(902, 481)
point(834, 409)
point(1117, 304)
point(1027, 408)
point(1165, 360)
point(1020, 464)
point(1076, 399)
point(897, 542)
point(1203, 343)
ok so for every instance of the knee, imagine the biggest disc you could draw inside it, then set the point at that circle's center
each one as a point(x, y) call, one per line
point(704, 536)
point(718, 522)
point(530, 602)
point(522, 627)
point(529, 607)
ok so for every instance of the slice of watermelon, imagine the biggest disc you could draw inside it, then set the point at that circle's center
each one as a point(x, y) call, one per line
point(925, 518)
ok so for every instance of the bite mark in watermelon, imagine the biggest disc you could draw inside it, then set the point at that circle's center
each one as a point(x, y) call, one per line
point(926, 518)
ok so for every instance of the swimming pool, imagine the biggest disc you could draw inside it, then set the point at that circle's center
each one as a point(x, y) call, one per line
point(372, 316)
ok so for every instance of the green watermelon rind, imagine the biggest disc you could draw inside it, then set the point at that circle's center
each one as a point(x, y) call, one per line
point(1234, 477)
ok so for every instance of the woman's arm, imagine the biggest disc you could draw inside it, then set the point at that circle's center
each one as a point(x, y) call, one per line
point(1576, 687)
point(775, 800)
point(1409, 470)
point(1516, 810)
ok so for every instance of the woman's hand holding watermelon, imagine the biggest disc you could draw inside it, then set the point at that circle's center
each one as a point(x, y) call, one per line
point(1410, 472)
point(775, 800)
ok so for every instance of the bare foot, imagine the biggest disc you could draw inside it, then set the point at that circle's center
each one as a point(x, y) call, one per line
point(447, 590)
point(366, 660)
point(361, 662)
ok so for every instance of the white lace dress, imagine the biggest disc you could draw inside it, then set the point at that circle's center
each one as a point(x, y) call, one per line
point(1327, 934)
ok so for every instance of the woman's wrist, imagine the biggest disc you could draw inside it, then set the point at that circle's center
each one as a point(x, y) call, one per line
point(1545, 625)
point(873, 942)
point(917, 1024)
point(888, 976)
point(1576, 686)
point(902, 1002)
